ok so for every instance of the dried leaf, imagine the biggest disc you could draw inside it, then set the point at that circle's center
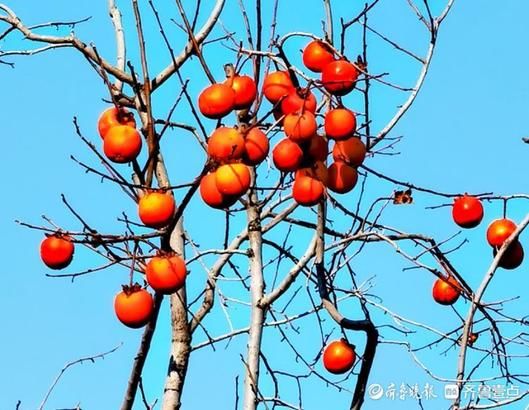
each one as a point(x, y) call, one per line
point(402, 197)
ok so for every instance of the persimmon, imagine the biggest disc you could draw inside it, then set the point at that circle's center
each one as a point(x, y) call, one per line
point(300, 127)
point(339, 356)
point(233, 179)
point(287, 155)
point(316, 149)
point(339, 77)
point(299, 100)
point(512, 257)
point(56, 251)
point(307, 191)
point(276, 85)
point(122, 144)
point(340, 123)
point(216, 101)
point(467, 211)
point(156, 208)
point(133, 306)
point(226, 144)
point(256, 146)
point(114, 116)
point(245, 91)
point(342, 177)
point(166, 273)
point(352, 151)
point(317, 170)
point(211, 195)
point(499, 230)
point(446, 292)
point(317, 55)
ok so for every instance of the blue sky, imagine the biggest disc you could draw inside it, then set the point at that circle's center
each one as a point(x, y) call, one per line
point(463, 134)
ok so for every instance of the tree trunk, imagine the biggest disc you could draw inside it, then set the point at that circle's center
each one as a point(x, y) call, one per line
point(257, 317)
point(181, 336)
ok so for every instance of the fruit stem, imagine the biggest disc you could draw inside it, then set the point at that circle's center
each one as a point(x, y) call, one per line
point(229, 69)
point(131, 274)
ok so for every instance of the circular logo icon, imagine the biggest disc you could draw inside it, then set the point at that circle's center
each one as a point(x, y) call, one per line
point(375, 391)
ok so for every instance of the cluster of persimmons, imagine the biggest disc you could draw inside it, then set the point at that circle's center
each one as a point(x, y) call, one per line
point(165, 272)
point(468, 212)
point(232, 152)
point(303, 151)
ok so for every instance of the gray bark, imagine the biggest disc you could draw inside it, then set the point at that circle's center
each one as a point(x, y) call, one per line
point(257, 316)
point(180, 335)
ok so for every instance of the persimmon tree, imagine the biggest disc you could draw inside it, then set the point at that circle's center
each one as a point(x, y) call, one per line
point(286, 139)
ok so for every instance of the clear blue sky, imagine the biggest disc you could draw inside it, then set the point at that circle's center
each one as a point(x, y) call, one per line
point(463, 134)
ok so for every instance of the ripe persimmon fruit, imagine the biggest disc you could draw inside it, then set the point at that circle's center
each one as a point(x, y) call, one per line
point(226, 144)
point(256, 146)
point(287, 155)
point(300, 127)
point(342, 177)
point(339, 356)
point(512, 257)
point(340, 123)
point(56, 251)
point(467, 211)
point(316, 55)
point(276, 85)
point(166, 273)
point(233, 179)
point(245, 91)
point(133, 306)
point(446, 291)
point(499, 230)
point(156, 208)
point(216, 101)
point(317, 170)
point(339, 77)
point(307, 191)
point(352, 151)
point(122, 144)
point(299, 100)
point(316, 149)
point(113, 116)
point(211, 195)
